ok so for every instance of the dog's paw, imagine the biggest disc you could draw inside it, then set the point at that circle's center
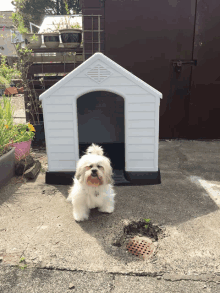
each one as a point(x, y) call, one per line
point(80, 217)
point(106, 209)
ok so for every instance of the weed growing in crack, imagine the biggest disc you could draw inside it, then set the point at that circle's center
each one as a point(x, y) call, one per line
point(23, 263)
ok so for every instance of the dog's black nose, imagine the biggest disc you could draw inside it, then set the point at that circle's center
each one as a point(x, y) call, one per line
point(94, 172)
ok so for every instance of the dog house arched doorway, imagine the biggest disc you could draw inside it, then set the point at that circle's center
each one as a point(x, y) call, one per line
point(100, 116)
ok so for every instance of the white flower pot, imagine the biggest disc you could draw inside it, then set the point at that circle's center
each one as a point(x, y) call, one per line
point(51, 40)
point(71, 38)
point(33, 44)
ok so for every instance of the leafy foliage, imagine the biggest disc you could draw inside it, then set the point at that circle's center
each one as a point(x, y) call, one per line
point(10, 132)
point(7, 73)
point(18, 21)
point(23, 63)
point(34, 11)
point(4, 82)
point(61, 6)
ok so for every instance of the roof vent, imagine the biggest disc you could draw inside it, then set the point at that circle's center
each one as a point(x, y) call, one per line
point(98, 73)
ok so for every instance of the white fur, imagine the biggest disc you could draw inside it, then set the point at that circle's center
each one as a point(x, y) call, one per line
point(85, 197)
point(95, 150)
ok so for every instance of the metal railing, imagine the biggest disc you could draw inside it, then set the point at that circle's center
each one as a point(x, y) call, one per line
point(32, 24)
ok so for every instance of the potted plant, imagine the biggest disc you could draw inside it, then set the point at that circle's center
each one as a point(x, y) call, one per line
point(51, 38)
point(18, 136)
point(32, 40)
point(15, 141)
point(7, 152)
point(71, 34)
point(21, 137)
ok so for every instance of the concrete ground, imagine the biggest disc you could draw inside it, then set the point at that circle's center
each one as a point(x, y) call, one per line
point(42, 248)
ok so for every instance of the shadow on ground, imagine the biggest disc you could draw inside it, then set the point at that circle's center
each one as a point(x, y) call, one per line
point(177, 199)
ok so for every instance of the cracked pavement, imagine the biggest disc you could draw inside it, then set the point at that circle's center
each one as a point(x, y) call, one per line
point(36, 223)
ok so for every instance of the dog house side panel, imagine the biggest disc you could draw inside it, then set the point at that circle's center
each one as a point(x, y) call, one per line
point(141, 132)
point(156, 145)
point(60, 135)
point(46, 131)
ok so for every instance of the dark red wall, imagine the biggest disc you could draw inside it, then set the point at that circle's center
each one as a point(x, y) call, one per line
point(145, 37)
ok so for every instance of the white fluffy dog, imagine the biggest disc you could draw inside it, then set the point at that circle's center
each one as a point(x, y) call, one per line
point(92, 184)
point(95, 150)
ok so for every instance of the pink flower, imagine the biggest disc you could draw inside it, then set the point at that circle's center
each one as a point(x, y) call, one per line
point(3, 28)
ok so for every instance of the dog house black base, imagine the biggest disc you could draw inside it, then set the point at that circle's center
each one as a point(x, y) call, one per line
point(130, 178)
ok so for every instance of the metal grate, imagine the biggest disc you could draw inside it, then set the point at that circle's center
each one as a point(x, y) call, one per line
point(142, 247)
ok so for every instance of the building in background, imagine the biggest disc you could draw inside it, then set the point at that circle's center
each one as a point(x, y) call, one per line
point(7, 40)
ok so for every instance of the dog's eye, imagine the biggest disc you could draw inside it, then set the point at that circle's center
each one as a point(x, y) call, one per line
point(90, 166)
point(99, 166)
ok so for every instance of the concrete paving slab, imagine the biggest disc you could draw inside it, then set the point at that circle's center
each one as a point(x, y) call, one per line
point(36, 222)
point(139, 284)
point(53, 281)
point(15, 280)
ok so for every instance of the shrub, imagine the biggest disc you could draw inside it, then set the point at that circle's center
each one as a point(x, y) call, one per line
point(7, 71)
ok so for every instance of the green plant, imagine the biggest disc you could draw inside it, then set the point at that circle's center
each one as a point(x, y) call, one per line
point(22, 132)
point(13, 134)
point(22, 260)
point(24, 55)
point(147, 221)
point(7, 71)
point(4, 82)
point(24, 63)
point(65, 22)
point(18, 20)
point(77, 25)
point(6, 124)
point(66, 7)
point(10, 132)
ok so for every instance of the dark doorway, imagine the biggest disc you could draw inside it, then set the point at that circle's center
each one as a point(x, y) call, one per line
point(101, 121)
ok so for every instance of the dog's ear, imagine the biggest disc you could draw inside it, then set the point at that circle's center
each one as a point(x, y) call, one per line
point(109, 178)
point(108, 171)
point(78, 173)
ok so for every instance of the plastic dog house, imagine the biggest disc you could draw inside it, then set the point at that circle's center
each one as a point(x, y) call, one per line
point(70, 118)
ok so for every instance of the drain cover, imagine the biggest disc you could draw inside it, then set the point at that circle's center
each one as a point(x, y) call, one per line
point(142, 247)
